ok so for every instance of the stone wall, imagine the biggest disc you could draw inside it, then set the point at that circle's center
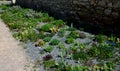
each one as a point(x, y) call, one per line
point(98, 13)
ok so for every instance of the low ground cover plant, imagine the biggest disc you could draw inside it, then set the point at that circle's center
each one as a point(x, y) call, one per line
point(49, 48)
point(59, 23)
point(61, 32)
point(54, 42)
point(47, 39)
point(69, 40)
point(46, 27)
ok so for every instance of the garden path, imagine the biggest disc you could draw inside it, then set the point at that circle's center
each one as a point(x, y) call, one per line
point(12, 55)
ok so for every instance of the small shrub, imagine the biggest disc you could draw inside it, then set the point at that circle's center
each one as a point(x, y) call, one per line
point(111, 65)
point(13, 25)
point(93, 51)
point(82, 46)
point(25, 35)
point(54, 42)
point(46, 27)
point(73, 48)
point(49, 64)
point(106, 51)
point(80, 55)
point(104, 67)
point(118, 45)
point(117, 59)
point(102, 51)
point(101, 38)
point(46, 18)
point(4, 7)
point(48, 48)
point(61, 46)
point(73, 34)
point(32, 35)
point(47, 39)
point(112, 38)
point(59, 23)
point(61, 32)
point(69, 40)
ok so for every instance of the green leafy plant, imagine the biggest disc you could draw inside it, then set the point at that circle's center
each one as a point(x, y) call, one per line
point(118, 45)
point(62, 64)
point(47, 39)
point(82, 46)
point(80, 55)
point(4, 7)
point(50, 63)
point(101, 38)
point(32, 35)
point(103, 51)
point(48, 48)
point(61, 46)
point(106, 51)
point(13, 25)
point(69, 40)
point(73, 34)
point(74, 48)
point(61, 32)
point(112, 38)
point(117, 60)
point(93, 51)
point(77, 68)
point(54, 42)
point(105, 67)
point(59, 23)
point(46, 27)
point(27, 34)
point(46, 18)
point(111, 65)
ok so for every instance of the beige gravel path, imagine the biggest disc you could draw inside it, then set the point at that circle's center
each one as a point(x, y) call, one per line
point(12, 55)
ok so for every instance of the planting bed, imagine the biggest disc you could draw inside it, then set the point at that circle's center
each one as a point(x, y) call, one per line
point(59, 47)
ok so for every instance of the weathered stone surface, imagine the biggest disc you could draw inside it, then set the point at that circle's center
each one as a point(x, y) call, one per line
point(100, 12)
